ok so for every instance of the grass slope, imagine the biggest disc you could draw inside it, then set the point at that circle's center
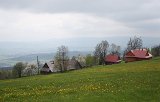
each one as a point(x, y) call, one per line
point(126, 82)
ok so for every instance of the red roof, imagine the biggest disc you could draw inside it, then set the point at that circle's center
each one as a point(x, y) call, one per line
point(139, 53)
point(112, 58)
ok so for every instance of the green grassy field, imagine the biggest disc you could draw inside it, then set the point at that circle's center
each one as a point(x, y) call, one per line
point(125, 82)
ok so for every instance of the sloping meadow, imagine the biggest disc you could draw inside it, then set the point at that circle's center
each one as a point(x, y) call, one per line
point(136, 81)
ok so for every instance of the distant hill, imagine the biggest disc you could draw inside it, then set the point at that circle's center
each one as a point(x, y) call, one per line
point(31, 57)
point(4, 64)
point(43, 57)
point(6, 68)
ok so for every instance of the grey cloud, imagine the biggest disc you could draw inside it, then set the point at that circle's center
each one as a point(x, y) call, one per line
point(133, 13)
point(94, 6)
point(118, 9)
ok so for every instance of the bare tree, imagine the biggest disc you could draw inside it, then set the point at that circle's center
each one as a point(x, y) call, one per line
point(101, 51)
point(134, 43)
point(61, 58)
point(115, 49)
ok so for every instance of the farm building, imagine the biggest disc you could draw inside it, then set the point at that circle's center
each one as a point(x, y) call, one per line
point(112, 59)
point(48, 68)
point(73, 64)
point(137, 55)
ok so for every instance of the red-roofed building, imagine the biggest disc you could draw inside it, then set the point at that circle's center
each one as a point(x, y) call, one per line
point(137, 55)
point(112, 59)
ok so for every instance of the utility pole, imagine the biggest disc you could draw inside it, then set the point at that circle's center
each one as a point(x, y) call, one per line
point(38, 64)
point(63, 61)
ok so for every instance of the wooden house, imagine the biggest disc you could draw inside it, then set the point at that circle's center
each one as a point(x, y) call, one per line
point(112, 59)
point(137, 55)
point(48, 68)
point(73, 64)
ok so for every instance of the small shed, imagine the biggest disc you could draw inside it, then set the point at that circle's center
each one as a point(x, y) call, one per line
point(137, 55)
point(112, 59)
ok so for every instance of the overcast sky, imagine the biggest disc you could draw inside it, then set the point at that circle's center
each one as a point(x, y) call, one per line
point(41, 20)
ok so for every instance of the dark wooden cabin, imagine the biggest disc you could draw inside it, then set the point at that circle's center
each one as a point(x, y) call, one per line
point(48, 68)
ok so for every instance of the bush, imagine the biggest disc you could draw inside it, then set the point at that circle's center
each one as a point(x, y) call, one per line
point(155, 50)
point(5, 74)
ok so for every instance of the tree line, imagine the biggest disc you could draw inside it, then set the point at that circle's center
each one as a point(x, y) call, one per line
point(61, 58)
